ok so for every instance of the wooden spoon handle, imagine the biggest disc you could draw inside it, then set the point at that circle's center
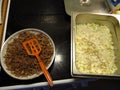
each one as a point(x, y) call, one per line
point(45, 71)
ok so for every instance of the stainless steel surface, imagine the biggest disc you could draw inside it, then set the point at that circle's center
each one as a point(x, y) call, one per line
point(111, 21)
point(96, 6)
point(85, 2)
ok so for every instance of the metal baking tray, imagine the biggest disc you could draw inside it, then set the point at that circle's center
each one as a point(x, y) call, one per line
point(112, 22)
point(94, 6)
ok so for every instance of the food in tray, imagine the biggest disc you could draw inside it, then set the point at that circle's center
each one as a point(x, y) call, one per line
point(19, 63)
point(94, 49)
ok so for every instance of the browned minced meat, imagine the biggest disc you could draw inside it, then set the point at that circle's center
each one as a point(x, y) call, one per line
point(19, 62)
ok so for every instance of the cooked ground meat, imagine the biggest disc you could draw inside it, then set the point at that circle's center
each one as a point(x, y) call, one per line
point(19, 62)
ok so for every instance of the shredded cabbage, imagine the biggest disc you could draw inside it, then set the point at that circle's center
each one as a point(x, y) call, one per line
point(94, 49)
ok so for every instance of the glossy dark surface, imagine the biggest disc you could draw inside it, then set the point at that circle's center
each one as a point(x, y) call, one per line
point(50, 16)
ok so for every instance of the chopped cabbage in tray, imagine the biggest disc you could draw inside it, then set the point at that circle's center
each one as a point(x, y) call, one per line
point(94, 49)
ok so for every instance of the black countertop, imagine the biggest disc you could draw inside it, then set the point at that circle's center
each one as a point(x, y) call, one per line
point(49, 16)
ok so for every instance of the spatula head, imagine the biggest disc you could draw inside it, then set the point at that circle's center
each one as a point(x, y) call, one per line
point(32, 46)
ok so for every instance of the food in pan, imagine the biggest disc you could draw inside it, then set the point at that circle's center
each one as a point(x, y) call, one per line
point(94, 49)
point(19, 63)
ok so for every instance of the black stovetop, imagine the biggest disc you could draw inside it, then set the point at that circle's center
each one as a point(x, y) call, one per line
point(49, 16)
